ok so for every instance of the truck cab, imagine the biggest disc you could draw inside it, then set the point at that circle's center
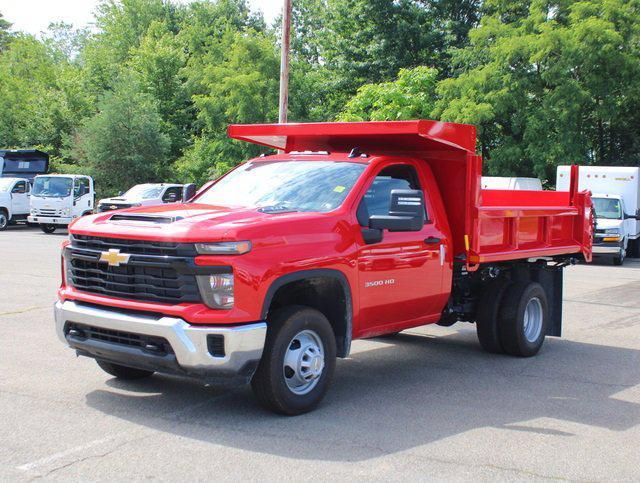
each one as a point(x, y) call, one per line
point(148, 194)
point(353, 230)
point(59, 199)
point(14, 200)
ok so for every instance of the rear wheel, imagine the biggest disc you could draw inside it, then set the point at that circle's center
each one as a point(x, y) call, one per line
point(123, 372)
point(487, 315)
point(48, 228)
point(298, 361)
point(4, 220)
point(523, 319)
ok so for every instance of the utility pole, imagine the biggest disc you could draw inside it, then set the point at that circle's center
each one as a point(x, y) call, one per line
point(284, 62)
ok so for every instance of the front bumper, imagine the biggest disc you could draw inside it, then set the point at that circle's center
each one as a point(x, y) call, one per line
point(190, 348)
point(50, 220)
point(607, 248)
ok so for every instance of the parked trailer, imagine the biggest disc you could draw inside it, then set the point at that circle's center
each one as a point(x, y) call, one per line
point(354, 230)
point(616, 199)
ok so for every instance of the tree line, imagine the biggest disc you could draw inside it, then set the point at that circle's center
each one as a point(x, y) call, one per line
point(147, 93)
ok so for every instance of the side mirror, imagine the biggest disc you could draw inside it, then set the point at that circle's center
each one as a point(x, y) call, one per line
point(635, 217)
point(188, 192)
point(406, 212)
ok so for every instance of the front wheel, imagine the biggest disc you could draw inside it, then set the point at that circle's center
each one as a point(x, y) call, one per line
point(298, 361)
point(48, 228)
point(618, 260)
point(4, 220)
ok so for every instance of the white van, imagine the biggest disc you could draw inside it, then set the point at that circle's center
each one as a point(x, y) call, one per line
point(14, 200)
point(58, 199)
point(506, 183)
point(615, 192)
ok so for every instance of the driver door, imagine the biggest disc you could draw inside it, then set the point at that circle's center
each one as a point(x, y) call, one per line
point(20, 198)
point(400, 277)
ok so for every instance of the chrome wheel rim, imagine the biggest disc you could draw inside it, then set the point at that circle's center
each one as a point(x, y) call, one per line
point(533, 319)
point(303, 362)
point(3, 220)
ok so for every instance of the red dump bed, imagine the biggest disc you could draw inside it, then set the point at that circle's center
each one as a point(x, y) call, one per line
point(486, 225)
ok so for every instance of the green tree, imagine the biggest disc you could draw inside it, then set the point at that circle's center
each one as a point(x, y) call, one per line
point(123, 144)
point(550, 83)
point(239, 85)
point(411, 96)
point(5, 34)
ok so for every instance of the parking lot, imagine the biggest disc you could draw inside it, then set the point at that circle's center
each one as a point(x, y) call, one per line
point(428, 404)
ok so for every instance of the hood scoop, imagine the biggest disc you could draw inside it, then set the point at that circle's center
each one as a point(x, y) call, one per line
point(160, 220)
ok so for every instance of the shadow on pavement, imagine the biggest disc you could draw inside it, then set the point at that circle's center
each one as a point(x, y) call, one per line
point(398, 395)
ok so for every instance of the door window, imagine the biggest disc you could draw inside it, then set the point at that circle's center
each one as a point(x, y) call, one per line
point(20, 187)
point(377, 199)
point(81, 187)
point(172, 194)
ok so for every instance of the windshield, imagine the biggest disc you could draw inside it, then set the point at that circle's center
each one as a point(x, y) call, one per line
point(607, 208)
point(285, 186)
point(52, 186)
point(144, 191)
point(6, 184)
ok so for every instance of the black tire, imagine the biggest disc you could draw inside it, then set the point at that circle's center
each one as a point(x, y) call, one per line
point(48, 228)
point(269, 383)
point(488, 313)
point(4, 220)
point(511, 325)
point(123, 372)
point(618, 260)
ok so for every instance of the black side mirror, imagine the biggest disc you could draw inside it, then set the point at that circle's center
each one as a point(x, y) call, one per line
point(635, 217)
point(188, 192)
point(406, 212)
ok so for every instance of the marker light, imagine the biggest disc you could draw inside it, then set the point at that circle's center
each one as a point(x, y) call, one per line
point(224, 248)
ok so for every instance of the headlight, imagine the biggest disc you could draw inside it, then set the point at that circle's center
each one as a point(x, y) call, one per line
point(34, 211)
point(65, 211)
point(217, 290)
point(223, 248)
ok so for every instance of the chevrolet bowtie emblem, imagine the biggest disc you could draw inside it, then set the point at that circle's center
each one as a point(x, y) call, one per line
point(114, 258)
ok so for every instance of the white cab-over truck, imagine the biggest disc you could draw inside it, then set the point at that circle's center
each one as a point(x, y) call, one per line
point(615, 192)
point(58, 199)
point(148, 194)
point(14, 201)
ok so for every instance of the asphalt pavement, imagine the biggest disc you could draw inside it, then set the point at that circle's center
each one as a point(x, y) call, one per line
point(427, 405)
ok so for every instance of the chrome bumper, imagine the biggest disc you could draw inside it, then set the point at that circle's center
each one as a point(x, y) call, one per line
point(50, 220)
point(243, 344)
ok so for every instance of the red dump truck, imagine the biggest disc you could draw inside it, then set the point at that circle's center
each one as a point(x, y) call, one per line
point(352, 230)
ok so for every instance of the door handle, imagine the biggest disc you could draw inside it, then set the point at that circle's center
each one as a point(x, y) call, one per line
point(432, 239)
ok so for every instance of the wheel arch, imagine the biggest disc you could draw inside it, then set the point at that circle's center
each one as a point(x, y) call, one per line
point(317, 288)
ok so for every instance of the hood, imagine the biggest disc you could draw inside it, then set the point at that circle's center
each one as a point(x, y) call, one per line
point(604, 223)
point(190, 222)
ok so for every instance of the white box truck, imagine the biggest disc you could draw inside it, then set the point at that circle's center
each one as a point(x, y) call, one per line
point(58, 199)
point(511, 183)
point(615, 192)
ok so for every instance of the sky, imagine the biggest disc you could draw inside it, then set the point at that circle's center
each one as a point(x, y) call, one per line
point(33, 16)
